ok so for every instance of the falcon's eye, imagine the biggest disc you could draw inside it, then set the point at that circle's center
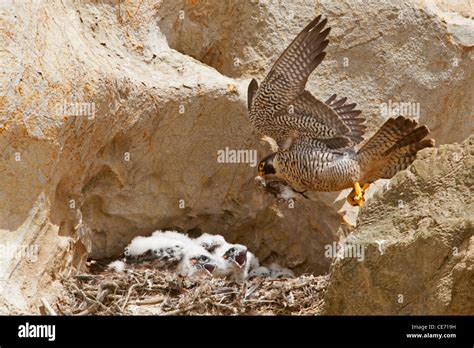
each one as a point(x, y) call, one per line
point(261, 166)
point(204, 258)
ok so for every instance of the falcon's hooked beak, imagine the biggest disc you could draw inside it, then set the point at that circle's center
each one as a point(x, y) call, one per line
point(265, 166)
point(239, 257)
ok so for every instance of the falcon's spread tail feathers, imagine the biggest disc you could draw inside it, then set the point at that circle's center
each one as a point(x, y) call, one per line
point(392, 148)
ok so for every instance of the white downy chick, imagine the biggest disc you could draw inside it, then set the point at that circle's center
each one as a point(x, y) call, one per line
point(138, 246)
point(253, 261)
point(260, 271)
point(277, 271)
point(210, 241)
point(117, 266)
point(172, 235)
point(196, 261)
point(233, 261)
point(161, 251)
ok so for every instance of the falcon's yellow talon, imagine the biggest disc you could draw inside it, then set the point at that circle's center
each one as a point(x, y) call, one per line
point(356, 197)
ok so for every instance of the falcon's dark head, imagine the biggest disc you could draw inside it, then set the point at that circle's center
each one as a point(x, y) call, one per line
point(237, 255)
point(265, 167)
point(203, 262)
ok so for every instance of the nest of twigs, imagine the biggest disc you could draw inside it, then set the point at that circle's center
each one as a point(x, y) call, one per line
point(154, 292)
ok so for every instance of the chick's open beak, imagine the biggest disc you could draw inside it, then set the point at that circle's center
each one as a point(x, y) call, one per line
point(209, 268)
point(241, 258)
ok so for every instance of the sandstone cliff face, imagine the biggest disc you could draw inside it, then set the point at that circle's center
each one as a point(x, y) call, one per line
point(379, 52)
point(419, 249)
point(112, 117)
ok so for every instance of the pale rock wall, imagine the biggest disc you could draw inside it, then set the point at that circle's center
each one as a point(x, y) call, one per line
point(68, 187)
point(419, 249)
point(378, 51)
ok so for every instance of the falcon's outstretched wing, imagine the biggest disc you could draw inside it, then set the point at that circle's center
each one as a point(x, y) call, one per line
point(282, 108)
point(287, 78)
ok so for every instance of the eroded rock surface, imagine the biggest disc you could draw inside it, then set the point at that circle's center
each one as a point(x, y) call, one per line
point(109, 133)
point(418, 53)
point(418, 237)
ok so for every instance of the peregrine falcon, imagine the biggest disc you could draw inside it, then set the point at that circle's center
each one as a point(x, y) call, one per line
point(314, 141)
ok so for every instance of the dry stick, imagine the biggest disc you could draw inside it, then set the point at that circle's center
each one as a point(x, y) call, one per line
point(261, 301)
point(181, 310)
point(252, 289)
point(217, 304)
point(47, 307)
point(133, 287)
point(297, 286)
point(224, 295)
point(86, 276)
point(82, 293)
point(91, 309)
point(153, 300)
point(226, 290)
point(104, 291)
point(128, 295)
